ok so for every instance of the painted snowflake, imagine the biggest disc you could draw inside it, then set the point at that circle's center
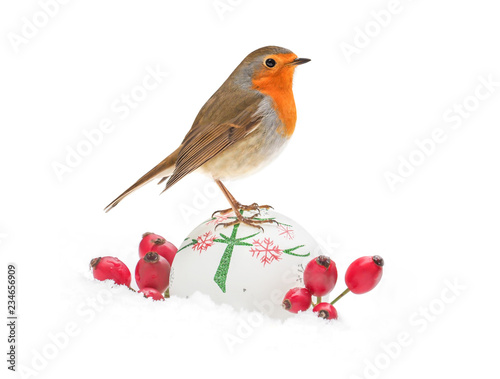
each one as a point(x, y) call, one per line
point(219, 219)
point(266, 250)
point(286, 231)
point(204, 241)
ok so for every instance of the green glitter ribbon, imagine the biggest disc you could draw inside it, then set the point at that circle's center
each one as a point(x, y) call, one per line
point(289, 251)
point(193, 242)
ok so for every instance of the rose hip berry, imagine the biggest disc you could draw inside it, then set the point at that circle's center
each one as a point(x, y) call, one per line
point(320, 275)
point(297, 299)
point(364, 274)
point(155, 242)
point(152, 293)
point(152, 271)
point(104, 268)
point(326, 311)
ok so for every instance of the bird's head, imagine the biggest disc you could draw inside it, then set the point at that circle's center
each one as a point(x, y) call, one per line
point(268, 68)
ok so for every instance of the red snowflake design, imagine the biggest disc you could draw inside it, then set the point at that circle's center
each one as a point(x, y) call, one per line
point(269, 251)
point(220, 218)
point(204, 242)
point(286, 231)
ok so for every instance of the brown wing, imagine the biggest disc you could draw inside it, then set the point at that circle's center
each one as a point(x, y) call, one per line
point(203, 143)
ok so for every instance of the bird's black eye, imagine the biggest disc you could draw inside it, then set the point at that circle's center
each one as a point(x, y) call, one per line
point(270, 62)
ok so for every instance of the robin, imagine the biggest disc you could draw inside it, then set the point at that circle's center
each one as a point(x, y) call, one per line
point(240, 129)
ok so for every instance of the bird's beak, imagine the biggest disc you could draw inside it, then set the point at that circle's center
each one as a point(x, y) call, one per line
point(299, 61)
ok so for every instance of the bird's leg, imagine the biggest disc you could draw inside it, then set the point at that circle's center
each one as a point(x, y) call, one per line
point(236, 207)
point(252, 207)
point(230, 198)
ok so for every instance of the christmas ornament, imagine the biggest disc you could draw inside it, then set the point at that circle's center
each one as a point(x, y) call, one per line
point(241, 265)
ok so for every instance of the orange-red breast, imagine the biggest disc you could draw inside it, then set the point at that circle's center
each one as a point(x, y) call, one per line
point(241, 128)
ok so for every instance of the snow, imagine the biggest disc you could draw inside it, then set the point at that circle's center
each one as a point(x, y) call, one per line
point(433, 315)
point(122, 332)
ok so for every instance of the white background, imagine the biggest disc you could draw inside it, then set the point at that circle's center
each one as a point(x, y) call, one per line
point(355, 118)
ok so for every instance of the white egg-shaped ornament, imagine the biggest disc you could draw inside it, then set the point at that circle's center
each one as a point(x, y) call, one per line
point(241, 265)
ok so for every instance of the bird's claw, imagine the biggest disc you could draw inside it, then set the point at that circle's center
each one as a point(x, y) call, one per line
point(252, 207)
point(250, 221)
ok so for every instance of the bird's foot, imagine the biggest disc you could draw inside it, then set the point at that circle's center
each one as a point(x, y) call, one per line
point(250, 221)
point(249, 208)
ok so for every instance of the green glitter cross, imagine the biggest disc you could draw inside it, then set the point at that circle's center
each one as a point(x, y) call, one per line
point(221, 273)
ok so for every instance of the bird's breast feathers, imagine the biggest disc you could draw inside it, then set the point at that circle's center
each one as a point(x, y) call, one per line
point(279, 90)
point(257, 149)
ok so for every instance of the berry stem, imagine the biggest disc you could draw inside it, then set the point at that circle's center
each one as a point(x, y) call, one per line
point(346, 291)
point(318, 300)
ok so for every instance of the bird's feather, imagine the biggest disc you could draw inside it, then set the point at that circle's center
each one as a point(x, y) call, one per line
point(163, 168)
point(207, 142)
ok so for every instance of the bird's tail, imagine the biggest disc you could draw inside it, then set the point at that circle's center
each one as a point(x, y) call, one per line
point(162, 169)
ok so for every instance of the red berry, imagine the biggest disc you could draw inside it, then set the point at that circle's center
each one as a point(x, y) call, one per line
point(297, 299)
point(364, 274)
point(155, 242)
point(152, 293)
point(110, 268)
point(320, 275)
point(326, 311)
point(152, 271)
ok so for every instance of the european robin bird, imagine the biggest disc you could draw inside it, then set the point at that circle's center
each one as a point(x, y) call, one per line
point(241, 128)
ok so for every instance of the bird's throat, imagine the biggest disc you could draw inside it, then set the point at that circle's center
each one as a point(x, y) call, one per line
point(279, 89)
